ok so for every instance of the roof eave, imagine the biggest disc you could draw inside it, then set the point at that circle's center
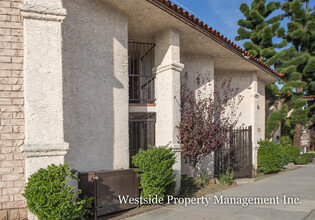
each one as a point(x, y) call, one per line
point(193, 22)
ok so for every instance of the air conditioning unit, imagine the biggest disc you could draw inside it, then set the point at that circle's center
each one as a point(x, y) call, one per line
point(106, 186)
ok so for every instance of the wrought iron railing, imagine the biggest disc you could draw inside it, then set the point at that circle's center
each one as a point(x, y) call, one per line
point(141, 77)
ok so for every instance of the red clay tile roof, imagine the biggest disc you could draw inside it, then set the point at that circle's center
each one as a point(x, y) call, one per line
point(309, 96)
point(214, 33)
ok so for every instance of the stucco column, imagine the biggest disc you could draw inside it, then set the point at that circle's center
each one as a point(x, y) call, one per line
point(44, 129)
point(254, 117)
point(168, 69)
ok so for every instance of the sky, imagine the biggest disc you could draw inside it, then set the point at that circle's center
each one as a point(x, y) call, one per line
point(222, 15)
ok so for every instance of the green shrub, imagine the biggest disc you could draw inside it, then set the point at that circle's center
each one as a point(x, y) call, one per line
point(227, 178)
point(49, 197)
point(286, 159)
point(312, 154)
point(291, 151)
point(154, 168)
point(188, 186)
point(310, 157)
point(286, 141)
point(202, 180)
point(302, 159)
point(270, 157)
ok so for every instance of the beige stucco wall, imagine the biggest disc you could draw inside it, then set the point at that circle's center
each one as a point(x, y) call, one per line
point(261, 110)
point(242, 81)
point(198, 65)
point(202, 67)
point(253, 105)
point(95, 86)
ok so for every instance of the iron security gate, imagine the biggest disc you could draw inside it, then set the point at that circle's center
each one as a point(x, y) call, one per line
point(237, 155)
point(141, 133)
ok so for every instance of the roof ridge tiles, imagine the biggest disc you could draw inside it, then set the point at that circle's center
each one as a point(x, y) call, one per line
point(217, 34)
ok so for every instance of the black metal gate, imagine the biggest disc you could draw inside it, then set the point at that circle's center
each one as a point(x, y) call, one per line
point(141, 133)
point(237, 155)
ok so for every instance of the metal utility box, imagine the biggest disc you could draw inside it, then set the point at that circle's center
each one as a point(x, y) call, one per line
point(105, 186)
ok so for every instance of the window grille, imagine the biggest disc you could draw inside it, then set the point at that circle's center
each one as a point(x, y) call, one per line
point(141, 78)
point(141, 132)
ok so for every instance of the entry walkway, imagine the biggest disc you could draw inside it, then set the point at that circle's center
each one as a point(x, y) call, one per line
point(298, 185)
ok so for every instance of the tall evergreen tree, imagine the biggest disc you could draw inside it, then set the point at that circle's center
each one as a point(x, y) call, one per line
point(297, 63)
point(260, 28)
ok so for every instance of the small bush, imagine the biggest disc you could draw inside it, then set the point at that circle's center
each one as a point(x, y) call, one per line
point(270, 157)
point(302, 159)
point(286, 141)
point(49, 197)
point(227, 178)
point(286, 159)
point(291, 151)
point(155, 170)
point(188, 186)
point(310, 157)
point(202, 180)
point(312, 154)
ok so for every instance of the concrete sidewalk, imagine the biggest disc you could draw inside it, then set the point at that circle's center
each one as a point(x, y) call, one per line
point(298, 184)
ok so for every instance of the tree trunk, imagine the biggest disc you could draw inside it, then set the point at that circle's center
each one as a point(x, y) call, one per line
point(307, 6)
point(297, 135)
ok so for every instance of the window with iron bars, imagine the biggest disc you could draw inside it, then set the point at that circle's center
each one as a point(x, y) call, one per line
point(141, 132)
point(141, 78)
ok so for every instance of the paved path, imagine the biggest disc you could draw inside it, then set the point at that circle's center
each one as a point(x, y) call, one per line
point(299, 183)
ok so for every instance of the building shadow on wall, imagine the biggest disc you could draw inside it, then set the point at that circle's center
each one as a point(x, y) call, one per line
point(88, 85)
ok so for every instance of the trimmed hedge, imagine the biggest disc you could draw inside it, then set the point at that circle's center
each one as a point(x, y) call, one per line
point(303, 159)
point(292, 152)
point(310, 157)
point(155, 170)
point(270, 157)
point(312, 154)
point(49, 197)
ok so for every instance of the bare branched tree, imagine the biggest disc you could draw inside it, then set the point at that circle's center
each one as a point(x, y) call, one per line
point(207, 118)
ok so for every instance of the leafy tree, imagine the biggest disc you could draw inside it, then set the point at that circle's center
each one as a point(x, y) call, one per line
point(262, 29)
point(297, 63)
point(206, 119)
point(275, 119)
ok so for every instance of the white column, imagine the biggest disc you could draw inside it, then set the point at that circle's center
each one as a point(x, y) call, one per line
point(254, 118)
point(44, 129)
point(167, 61)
